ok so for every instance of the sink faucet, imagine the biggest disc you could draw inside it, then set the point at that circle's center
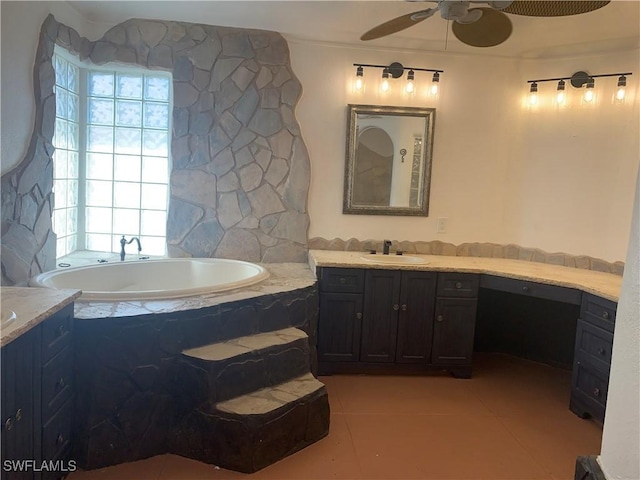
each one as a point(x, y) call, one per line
point(385, 248)
point(124, 242)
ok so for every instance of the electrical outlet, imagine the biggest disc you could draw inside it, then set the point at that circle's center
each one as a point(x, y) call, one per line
point(441, 226)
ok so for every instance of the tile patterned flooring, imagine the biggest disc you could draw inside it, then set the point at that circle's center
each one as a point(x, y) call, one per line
point(509, 422)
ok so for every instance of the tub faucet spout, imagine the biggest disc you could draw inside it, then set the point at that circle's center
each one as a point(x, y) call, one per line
point(124, 242)
point(385, 247)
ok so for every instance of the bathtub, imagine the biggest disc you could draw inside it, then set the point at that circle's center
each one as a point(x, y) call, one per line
point(154, 279)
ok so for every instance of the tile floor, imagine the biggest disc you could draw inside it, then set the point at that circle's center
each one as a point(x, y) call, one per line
point(510, 422)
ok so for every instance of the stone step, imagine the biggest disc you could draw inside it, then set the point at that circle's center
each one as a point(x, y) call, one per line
point(229, 369)
point(251, 431)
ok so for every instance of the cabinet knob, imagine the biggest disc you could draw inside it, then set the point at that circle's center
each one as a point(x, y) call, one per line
point(601, 351)
point(359, 316)
point(439, 318)
point(596, 392)
point(403, 307)
point(605, 315)
point(342, 281)
point(396, 307)
point(60, 439)
point(525, 289)
point(60, 331)
point(60, 384)
point(458, 285)
point(8, 424)
point(18, 415)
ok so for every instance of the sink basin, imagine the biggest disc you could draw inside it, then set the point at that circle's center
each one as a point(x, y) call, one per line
point(8, 317)
point(394, 259)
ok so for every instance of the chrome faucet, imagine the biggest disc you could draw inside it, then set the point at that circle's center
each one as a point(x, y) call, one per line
point(124, 242)
point(385, 247)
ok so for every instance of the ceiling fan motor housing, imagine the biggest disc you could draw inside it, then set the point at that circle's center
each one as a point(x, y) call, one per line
point(453, 10)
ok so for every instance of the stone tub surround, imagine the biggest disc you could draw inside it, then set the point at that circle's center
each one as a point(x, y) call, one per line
point(132, 396)
point(484, 250)
point(284, 277)
point(240, 169)
point(32, 306)
point(605, 285)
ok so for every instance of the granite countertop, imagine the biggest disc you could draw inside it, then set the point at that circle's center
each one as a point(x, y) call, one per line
point(32, 306)
point(283, 277)
point(605, 285)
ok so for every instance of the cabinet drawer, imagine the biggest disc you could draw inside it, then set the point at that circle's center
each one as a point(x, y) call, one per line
point(598, 311)
point(56, 433)
point(458, 285)
point(531, 289)
point(342, 280)
point(590, 386)
point(57, 383)
point(56, 333)
point(594, 345)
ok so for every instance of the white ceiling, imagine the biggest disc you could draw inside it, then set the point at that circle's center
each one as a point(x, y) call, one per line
point(613, 27)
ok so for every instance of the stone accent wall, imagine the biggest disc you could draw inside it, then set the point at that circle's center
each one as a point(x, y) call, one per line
point(487, 250)
point(241, 170)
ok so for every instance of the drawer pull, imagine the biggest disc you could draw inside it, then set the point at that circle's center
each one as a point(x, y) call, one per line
point(396, 307)
point(439, 318)
point(601, 351)
point(8, 424)
point(60, 440)
point(60, 331)
point(60, 384)
point(19, 415)
point(596, 392)
point(605, 315)
point(342, 281)
point(458, 285)
point(359, 316)
point(525, 289)
point(404, 307)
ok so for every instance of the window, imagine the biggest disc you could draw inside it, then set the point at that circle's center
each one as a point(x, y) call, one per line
point(121, 140)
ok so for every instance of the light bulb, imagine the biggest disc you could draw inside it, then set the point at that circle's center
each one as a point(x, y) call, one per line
point(561, 96)
point(533, 94)
point(359, 83)
point(435, 84)
point(589, 94)
point(384, 86)
point(409, 86)
point(621, 91)
point(620, 94)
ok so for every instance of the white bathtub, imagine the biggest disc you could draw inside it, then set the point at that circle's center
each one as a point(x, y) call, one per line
point(154, 279)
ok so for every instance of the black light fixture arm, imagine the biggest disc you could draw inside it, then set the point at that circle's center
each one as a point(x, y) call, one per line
point(580, 78)
point(396, 69)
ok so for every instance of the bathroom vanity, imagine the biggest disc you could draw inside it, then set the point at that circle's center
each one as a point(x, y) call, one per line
point(386, 317)
point(37, 382)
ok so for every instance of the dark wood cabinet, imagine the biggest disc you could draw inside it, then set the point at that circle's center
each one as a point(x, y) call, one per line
point(20, 392)
point(380, 321)
point(384, 321)
point(592, 357)
point(37, 399)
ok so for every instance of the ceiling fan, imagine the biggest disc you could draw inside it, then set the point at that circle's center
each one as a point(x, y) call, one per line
point(485, 26)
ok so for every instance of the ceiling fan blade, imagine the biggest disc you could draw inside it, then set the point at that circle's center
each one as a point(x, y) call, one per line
point(397, 24)
point(493, 28)
point(553, 8)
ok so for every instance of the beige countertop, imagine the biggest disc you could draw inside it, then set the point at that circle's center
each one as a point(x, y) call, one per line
point(605, 285)
point(31, 306)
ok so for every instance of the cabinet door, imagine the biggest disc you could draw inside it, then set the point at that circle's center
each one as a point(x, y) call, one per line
point(415, 322)
point(20, 377)
point(339, 327)
point(453, 331)
point(380, 322)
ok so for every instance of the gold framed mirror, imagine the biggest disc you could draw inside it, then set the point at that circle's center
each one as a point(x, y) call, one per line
point(388, 160)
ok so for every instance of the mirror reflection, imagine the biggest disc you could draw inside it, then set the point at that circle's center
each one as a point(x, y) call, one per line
point(388, 163)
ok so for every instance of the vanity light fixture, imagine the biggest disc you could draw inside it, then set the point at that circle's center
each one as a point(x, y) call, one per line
point(580, 79)
point(394, 71)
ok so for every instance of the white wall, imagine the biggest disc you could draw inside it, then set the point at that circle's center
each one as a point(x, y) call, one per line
point(555, 180)
point(620, 458)
point(21, 22)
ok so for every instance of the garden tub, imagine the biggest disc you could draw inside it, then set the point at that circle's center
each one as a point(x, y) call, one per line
point(154, 279)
